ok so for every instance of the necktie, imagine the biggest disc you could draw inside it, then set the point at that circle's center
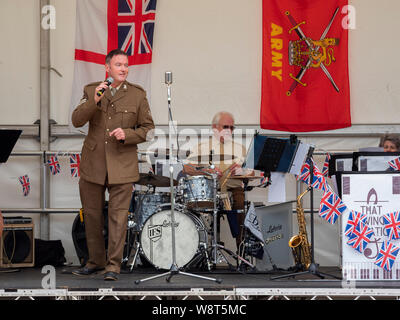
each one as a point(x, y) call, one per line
point(113, 91)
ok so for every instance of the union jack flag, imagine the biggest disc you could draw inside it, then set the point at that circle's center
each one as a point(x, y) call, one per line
point(54, 165)
point(135, 23)
point(395, 164)
point(392, 224)
point(318, 181)
point(354, 218)
point(360, 237)
point(26, 185)
point(331, 207)
point(387, 255)
point(325, 168)
point(75, 160)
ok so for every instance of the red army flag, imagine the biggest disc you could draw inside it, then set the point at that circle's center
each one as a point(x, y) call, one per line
point(305, 79)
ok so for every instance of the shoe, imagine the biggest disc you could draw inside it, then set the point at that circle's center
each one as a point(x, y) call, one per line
point(85, 271)
point(110, 276)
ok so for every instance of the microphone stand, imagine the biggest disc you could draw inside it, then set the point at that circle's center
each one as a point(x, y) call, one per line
point(174, 269)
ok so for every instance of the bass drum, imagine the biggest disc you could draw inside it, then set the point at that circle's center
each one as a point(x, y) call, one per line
point(156, 237)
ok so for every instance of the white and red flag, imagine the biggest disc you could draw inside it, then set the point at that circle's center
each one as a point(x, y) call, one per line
point(105, 25)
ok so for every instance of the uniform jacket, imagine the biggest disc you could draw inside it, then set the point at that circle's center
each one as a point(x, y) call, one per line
point(104, 156)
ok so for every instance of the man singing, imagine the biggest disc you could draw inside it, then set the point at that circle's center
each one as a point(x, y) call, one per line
point(119, 118)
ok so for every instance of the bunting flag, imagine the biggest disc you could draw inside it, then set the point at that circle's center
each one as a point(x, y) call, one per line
point(391, 223)
point(75, 160)
point(318, 182)
point(325, 168)
point(354, 219)
point(54, 165)
point(360, 237)
point(304, 66)
point(331, 207)
point(26, 185)
point(105, 25)
point(387, 255)
point(395, 164)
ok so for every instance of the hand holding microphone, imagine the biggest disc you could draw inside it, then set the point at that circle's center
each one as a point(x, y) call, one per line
point(102, 88)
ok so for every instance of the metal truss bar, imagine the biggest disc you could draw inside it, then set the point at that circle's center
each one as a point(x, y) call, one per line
point(234, 294)
point(356, 130)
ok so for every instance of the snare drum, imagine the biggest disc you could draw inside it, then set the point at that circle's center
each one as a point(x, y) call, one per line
point(156, 237)
point(198, 191)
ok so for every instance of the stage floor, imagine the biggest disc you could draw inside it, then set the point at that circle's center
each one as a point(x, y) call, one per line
point(31, 282)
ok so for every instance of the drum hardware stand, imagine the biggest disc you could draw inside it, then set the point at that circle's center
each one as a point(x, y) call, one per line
point(313, 268)
point(202, 255)
point(217, 247)
point(174, 270)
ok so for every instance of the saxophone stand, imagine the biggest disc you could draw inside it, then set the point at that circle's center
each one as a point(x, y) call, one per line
point(174, 269)
point(313, 268)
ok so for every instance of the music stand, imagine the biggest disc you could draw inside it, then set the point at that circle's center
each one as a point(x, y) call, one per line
point(8, 139)
point(270, 154)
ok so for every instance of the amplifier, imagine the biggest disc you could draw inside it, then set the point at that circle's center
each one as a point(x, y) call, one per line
point(17, 243)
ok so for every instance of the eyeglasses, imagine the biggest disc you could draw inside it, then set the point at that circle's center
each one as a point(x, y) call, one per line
point(228, 127)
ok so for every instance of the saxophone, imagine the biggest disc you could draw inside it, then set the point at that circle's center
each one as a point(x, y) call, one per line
point(301, 248)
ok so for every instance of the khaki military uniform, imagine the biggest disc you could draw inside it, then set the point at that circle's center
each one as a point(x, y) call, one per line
point(107, 163)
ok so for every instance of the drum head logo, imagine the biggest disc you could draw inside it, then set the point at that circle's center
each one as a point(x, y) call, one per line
point(154, 232)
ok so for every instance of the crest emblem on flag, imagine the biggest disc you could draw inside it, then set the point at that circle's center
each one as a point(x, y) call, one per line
point(75, 160)
point(26, 185)
point(387, 255)
point(307, 53)
point(360, 237)
point(354, 219)
point(54, 165)
point(331, 207)
point(392, 224)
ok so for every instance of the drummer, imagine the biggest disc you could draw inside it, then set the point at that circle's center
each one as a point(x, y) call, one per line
point(227, 156)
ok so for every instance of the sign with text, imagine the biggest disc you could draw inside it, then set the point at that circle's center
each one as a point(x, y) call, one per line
point(372, 196)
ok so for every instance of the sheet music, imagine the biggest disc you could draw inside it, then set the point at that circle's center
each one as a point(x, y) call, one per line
point(277, 189)
point(299, 158)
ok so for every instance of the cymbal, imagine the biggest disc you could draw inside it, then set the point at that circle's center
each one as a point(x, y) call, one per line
point(214, 157)
point(155, 180)
point(246, 177)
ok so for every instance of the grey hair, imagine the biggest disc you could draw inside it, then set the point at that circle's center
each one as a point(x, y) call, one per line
point(217, 117)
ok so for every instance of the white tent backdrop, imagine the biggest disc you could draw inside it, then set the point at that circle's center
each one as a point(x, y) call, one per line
point(213, 49)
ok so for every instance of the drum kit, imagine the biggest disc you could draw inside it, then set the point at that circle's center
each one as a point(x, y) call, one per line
point(198, 207)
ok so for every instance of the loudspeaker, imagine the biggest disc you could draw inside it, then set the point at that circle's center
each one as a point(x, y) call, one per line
point(17, 247)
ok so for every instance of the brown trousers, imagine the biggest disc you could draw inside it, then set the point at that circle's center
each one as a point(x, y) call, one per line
point(93, 201)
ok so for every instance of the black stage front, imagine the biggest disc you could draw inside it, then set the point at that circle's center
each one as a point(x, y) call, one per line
point(31, 278)
point(247, 283)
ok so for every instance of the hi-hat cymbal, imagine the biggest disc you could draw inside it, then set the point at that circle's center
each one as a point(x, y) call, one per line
point(212, 158)
point(155, 180)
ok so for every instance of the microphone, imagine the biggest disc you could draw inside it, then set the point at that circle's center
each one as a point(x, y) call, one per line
point(109, 80)
point(168, 77)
